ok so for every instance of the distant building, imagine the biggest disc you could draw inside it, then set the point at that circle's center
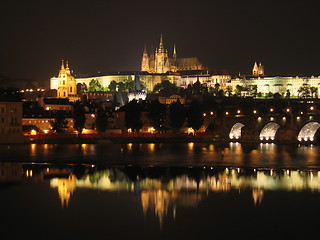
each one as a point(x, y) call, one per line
point(58, 104)
point(65, 83)
point(171, 99)
point(257, 70)
point(10, 120)
point(160, 62)
point(264, 85)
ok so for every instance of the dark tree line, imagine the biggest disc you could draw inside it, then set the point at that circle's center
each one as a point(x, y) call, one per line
point(163, 117)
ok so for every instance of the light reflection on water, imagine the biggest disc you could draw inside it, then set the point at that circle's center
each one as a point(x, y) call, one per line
point(170, 198)
point(169, 154)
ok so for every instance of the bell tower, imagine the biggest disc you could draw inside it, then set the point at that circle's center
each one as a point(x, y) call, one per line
point(145, 67)
point(161, 58)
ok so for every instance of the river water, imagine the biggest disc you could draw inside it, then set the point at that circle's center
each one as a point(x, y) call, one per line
point(159, 191)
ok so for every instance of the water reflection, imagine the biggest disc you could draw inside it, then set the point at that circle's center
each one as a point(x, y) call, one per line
point(232, 154)
point(163, 190)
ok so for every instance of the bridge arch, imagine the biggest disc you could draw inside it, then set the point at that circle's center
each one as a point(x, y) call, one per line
point(235, 132)
point(269, 131)
point(308, 131)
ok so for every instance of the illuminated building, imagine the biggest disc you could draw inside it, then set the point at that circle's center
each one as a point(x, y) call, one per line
point(160, 62)
point(65, 83)
point(273, 84)
point(257, 70)
point(155, 68)
point(10, 121)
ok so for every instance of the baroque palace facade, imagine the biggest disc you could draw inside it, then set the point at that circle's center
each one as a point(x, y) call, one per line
point(274, 84)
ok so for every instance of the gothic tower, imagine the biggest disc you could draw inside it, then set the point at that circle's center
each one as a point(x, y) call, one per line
point(145, 67)
point(161, 58)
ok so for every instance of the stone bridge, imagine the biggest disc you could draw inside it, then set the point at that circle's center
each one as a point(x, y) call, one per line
point(271, 127)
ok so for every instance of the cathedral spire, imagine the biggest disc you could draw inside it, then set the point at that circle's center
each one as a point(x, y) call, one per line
point(62, 64)
point(161, 47)
point(174, 52)
point(145, 50)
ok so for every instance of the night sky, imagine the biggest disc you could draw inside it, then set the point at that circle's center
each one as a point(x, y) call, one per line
point(103, 36)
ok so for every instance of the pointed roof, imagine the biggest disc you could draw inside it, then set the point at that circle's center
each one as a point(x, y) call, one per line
point(174, 51)
point(161, 47)
point(145, 50)
point(62, 64)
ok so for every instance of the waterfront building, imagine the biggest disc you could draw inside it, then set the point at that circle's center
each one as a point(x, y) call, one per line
point(43, 124)
point(10, 120)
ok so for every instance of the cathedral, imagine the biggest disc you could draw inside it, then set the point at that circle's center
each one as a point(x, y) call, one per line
point(160, 62)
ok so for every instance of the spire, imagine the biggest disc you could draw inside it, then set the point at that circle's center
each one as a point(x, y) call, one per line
point(67, 64)
point(174, 52)
point(145, 50)
point(161, 48)
point(62, 64)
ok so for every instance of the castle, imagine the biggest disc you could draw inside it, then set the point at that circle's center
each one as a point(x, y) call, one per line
point(160, 62)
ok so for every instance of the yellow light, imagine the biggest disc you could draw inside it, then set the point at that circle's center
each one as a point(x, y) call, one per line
point(33, 132)
point(151, 129)
point(271, 109)
point(254, 111)
point(311, 108)
point(238, 111)
point(288, 109)
point(46, 131)
point(227, 113)
point(190, 130)
point(204, 114)
point(129, 130)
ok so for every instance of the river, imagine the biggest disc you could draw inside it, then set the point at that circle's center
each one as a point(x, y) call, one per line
point(159, 191)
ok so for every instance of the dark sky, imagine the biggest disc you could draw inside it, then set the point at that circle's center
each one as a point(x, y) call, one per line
point(104, 36)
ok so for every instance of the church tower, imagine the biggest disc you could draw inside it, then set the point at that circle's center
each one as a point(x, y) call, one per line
point(174, 64)
point(67, 86)
point(161, 59)
point(257, 70)
point(145, 67)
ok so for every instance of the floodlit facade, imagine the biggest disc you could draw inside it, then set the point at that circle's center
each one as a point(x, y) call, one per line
point(277, 84)
point(160, 62)
point(11, 121)
point(65, 83)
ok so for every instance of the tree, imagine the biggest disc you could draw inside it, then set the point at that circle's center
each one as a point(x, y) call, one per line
point(132, 116)
point(101, 121)
point(113, 86)
point(228, 91)
point(288, 94)
point(59, 124)
point(157, 114)
point(165, 88)
point(79, 117)
point(314, 92)
point(304, 91)
point(194, 115)
point(176, 115)
point(95, 86)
